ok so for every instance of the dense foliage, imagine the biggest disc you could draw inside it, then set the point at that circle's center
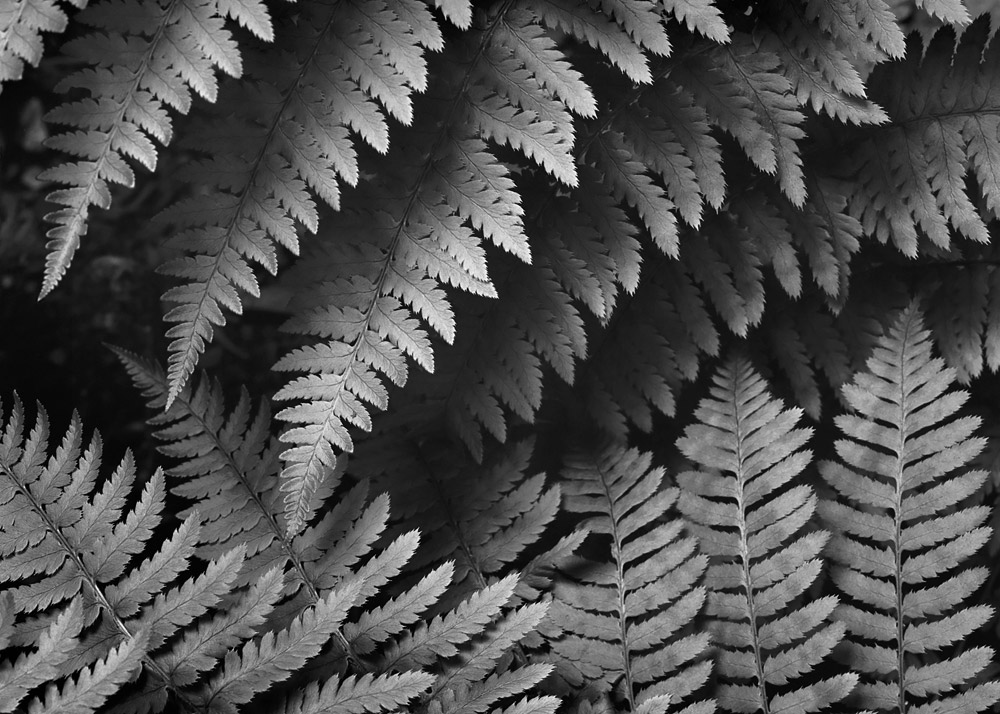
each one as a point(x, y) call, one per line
point(551, 301)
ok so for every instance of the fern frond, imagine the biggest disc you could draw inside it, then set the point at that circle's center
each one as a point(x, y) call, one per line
point(41, 666)
point(64, 535)
point(868, 29)
point(742, 91)
point(360, 695)
point(22, 23)
point(625, 622)
point(94, 685)
point(259, 664)
point(751, 521)
point(229, 465)
point(819, 69)
point(338, 65)
point(422, 238)
point(903, 531)
point(145, 58)
point(479, 520)
point(911, 172)
point(701, 16)
point(654, 343)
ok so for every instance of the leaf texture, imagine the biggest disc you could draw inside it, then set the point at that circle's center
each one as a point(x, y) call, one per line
point(624, 620)
point(902, 529)
point(22, 23)
point(65, 535)
point(162, 52)
point(444, 198)
point(911, 173)
point(751, 521)
point(339, 70)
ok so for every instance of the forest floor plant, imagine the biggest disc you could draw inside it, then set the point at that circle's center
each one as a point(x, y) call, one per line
point(568, 291)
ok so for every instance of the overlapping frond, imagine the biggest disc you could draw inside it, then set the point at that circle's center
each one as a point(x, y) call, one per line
point(752, 521)
point(226, 469)
point(910, 175)
point(903, 530)
point(818, 64)
point(424, 230)
point(743, 91)
point(65, 536)
point(626, 618)
point(141, 58)
point(655, 342)
point(280, 150)
point(228, 466)
point(488, 519)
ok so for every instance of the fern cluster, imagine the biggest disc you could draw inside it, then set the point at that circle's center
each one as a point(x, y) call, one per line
point(679, 596)
point(507, 242)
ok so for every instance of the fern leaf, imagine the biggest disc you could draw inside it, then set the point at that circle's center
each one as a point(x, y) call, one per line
point(743, 93)
point(950, 11)
point(475, 664)
point(92, 687)
point(700, 16)
point(299, 124)
point(901, 484)
point(481, 695)
point(42, 665)
point(173, 48)
point(62, 539)
point(441, 636)
point(459, 12)
point(601, 32)
point(226, 465)
point(538, 53)
point(200, 648)
point(750, 450)
point(820, 71)
point(21, 25)
point(367, 315)
point(378, 625)
point(259, 664)
point(480, 520)
point(859, 24)
point(360, 695)
point(622, 620)
point(912, 171)
point(654, 344)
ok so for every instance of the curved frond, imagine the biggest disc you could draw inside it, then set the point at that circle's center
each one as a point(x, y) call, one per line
point(65, 535)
